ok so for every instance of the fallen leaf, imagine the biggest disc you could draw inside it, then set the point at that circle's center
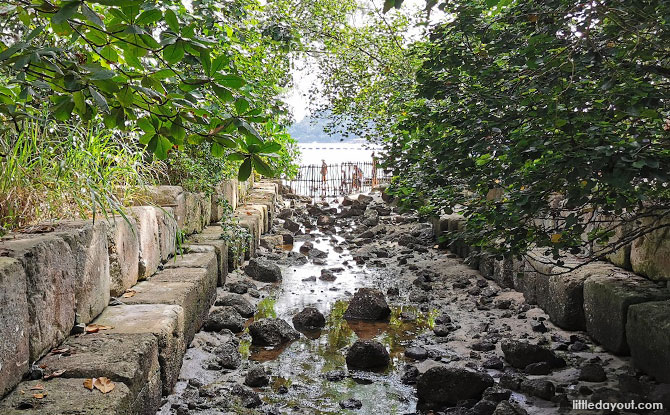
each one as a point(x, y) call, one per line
point(61, 350)
point(39, 395)
point(129, 293)
point(88, 384)
point(103, 384)
point(556, 238)
point(55, 374)
point(37, 387)
point(94, 328)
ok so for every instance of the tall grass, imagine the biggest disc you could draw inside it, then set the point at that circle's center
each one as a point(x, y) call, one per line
point(72, 172)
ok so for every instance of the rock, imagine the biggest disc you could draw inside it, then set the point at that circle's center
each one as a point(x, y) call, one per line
point(240, 304)
point(14, 324)
point(351, 403)
point(271, 332)
point(484, 407)
point(511, 381)
point(256, 377)
point(249, 398)
point(538, 326)
point(225, 317)
point(335, 375)
point(292, 226)
point(508, 408)
point(271, 241)
point(496, 394)
point(306, 247)
point(317, 253)
point(309, 318)
point(483, 346)
point(288, 238)
point(592, 372)
point(443, 330)
point(228, 355)
point(410, 375)
point(520, 354)
point(493, 363)
point(263, 270)
point(238, 287)
point(541, 368)
point(606, 302)
point(541, 388)
point(327, 275)
point(416, 353)
point(367, 354)
point(365, 199)
point(368, 304)
point(325, 220)
point(442, 385)
point(650, 254)
point(647, 332)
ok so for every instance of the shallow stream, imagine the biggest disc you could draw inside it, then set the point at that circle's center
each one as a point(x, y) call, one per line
point(299, 382)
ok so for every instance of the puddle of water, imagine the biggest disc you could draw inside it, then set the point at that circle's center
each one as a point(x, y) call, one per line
point(300, 366)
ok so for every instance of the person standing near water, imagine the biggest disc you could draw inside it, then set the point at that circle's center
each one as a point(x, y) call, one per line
point(374, 170)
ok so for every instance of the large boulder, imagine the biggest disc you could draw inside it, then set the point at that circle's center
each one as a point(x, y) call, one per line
point(650, 254)
point(521, 354)
point(271, 332)
point(241, 304)
point(256, 377)
point(309, 318)
point(124, 251)
point(368, 304)
point(14, 325)
point(367, 354)
point(146, 218)
point(225, 317)
point(263, 270)
point(647, 331)
point(445, 386)
point(49, 266)
point(88, 243)
point(606, 301)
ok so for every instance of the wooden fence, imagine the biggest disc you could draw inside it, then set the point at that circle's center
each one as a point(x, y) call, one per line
point(333, 180)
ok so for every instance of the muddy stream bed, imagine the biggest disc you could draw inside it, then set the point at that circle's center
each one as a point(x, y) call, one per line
point(444, 316)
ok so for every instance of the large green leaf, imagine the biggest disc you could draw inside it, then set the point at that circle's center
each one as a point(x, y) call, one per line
point(67, 10)
point(261, 166)
point(174, 53)
point(245, 170)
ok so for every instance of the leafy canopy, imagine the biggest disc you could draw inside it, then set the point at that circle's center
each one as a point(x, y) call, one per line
point(180, 76)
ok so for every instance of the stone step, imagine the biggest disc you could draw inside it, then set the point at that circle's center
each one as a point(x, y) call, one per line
point(131, 359)
point(67, 397)
point(59, 276)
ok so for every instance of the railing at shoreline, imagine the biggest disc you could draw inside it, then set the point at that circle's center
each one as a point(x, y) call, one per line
point(334, 180)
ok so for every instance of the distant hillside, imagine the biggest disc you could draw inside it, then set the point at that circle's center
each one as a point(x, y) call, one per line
point(313, 129)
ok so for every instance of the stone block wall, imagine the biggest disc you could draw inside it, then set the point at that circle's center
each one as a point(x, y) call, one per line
point(54, 281)
point(625, 311)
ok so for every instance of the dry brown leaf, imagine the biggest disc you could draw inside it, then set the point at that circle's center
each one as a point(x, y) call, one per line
point(37, 387)
point(94, 328)
point(129, 293)
point(103, 384)
point(55, 374)
point(61, 350)
point(88, 384)
point(39, 395)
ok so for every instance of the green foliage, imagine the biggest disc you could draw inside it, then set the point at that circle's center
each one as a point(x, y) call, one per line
point(179, 76)
point(546, 123)
point(541, 122)
point(47, 174)
point(237, 237)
